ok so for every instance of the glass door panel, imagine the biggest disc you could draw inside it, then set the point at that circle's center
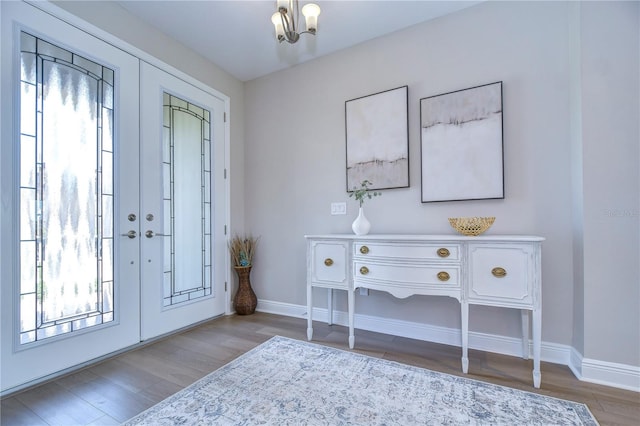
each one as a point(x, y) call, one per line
point(183, 200)
point(66, 191)
point(186, 169)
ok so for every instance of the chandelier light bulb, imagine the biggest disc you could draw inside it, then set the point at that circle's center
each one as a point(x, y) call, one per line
point(310, 12)
point(276, 19)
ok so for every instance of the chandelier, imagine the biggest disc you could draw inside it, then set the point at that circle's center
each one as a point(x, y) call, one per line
point(287, 20)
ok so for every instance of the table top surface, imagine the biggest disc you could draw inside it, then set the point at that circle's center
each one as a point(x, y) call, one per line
point(428, 237)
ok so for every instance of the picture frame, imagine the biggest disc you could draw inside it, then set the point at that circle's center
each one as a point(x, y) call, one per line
point(377, 139)
point(461, 145)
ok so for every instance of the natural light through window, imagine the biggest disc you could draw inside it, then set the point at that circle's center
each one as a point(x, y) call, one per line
point(66, 191)
point(186, 171)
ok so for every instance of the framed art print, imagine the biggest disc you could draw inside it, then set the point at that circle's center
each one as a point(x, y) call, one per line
point(377, 136)
point(462, 145)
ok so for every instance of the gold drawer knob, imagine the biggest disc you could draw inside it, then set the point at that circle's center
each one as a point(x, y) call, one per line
point(364, 249)
point(364, 270)
point(443, 276)
point(499, 272)
point(328, 261)
point(443, 252)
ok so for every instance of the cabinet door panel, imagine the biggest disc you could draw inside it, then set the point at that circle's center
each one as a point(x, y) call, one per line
point(329, 262)
point(501, 274)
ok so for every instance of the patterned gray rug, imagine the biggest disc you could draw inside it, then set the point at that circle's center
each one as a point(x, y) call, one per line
point(290, 382)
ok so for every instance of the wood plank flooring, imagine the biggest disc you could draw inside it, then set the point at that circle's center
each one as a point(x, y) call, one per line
point(114, 390)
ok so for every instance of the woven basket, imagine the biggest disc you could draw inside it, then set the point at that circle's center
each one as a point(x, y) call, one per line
point(472, 226)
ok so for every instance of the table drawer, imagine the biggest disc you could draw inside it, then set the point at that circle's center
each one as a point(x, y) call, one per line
point(407, 251)
point(406, 274)
point(501, 274)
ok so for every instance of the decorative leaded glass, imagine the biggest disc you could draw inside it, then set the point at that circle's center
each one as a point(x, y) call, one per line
point(186, 171)
point(66, 191)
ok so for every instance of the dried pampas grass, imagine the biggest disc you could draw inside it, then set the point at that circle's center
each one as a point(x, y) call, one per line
point(242, 249)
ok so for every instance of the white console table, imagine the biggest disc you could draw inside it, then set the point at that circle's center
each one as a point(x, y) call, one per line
point(497, 270)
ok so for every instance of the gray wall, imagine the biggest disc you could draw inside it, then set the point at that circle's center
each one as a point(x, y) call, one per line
point(295, 161)
point(570, 81)
point(611, 156)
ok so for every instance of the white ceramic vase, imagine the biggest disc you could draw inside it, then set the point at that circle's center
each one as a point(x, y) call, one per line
point(361, 225)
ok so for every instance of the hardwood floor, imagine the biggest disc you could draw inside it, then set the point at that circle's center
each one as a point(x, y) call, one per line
point(112, 391)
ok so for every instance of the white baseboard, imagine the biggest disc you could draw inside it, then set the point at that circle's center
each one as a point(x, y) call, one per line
point(286, 309)
point(589, 370)
point(604, 372)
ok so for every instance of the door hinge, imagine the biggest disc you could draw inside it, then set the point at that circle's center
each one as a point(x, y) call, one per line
point(225, 173)
point(225, 286)
point(225, 230)
point(225, 117)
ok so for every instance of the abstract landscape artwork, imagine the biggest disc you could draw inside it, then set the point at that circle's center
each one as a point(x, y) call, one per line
point(377, 134)
point(461, 145)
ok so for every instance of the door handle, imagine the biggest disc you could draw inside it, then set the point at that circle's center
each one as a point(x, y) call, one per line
point(151, 234)
point(131, 234)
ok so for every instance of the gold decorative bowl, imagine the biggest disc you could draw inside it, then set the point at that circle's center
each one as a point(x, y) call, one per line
point(472, 226)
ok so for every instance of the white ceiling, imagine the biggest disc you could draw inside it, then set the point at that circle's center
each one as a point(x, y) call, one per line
point(239, 37)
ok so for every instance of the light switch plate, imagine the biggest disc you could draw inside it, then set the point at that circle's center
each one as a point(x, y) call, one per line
point(338, 208)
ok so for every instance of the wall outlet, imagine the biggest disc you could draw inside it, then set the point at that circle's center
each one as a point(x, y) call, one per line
point(338, 208)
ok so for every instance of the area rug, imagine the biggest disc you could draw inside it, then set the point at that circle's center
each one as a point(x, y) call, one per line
point(290, 382)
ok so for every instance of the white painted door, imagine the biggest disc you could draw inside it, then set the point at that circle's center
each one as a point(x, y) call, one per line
point(69, 176)
point(105, 195)
point(183, 247)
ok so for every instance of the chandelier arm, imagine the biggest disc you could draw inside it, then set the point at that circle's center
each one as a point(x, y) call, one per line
point(291, 40)
point(285, 22)
point(286, 26)
point(295, 15)
point(293, 6)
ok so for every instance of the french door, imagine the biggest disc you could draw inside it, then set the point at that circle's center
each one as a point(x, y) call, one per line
point(111, 214)
point(182, 207)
